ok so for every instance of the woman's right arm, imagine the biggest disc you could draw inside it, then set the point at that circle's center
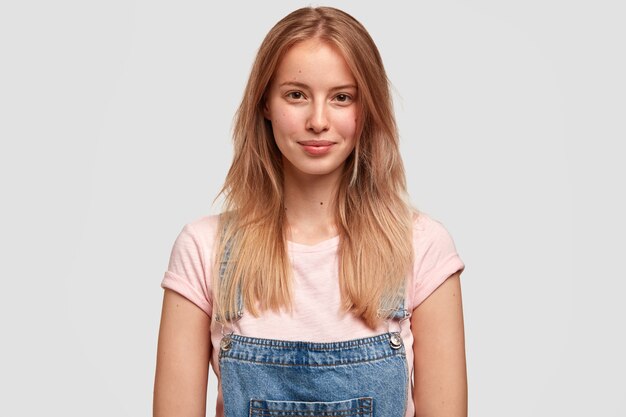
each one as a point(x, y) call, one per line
point(183, 355)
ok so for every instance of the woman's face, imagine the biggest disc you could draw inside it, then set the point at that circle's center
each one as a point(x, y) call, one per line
point(312, 104)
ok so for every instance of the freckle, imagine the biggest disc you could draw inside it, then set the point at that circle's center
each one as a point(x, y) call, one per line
point(321, 203)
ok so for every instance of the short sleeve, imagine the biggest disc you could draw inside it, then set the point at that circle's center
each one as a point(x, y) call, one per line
point(188, 271)
point(436, 258)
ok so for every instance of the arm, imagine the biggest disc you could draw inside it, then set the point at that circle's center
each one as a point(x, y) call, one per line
point(440, 387)
point(183, 353)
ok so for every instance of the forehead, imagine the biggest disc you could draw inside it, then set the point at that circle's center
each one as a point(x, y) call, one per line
point(316, 63)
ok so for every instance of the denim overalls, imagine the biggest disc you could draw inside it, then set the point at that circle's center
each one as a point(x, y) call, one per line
point(358, 377)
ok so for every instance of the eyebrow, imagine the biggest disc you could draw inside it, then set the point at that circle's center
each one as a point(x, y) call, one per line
point(302, 85)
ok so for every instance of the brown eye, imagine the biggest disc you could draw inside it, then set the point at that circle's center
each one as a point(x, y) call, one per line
point(296, 95)
point(342, 98)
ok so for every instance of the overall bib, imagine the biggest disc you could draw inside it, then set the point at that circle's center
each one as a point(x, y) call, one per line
point(359, 377)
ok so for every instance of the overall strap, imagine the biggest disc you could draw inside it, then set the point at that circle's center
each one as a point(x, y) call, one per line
point(230, 315)
point(399, 312)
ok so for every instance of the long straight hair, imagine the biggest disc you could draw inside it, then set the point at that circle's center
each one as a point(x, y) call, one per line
point(372, 213)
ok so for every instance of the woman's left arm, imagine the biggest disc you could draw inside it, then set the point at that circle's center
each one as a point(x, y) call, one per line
point(440, 386)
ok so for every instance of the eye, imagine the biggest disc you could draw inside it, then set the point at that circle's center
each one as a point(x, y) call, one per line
point(343, 98)
point(295, 95)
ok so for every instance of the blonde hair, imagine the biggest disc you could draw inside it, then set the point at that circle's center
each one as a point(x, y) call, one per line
point(372, 213)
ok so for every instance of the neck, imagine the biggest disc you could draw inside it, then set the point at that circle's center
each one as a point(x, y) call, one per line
point(310, 206)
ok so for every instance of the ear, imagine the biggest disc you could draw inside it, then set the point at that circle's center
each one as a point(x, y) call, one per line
point(266, 110)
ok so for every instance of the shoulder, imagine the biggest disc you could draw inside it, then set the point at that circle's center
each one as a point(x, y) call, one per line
point(201, 232)
point(204, 225)
point(427, 229)
point(194, 246)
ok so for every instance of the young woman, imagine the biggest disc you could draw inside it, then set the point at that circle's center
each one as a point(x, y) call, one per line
point(318, 291)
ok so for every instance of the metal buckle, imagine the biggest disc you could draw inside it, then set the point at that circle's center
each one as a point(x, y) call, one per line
point(395, 341)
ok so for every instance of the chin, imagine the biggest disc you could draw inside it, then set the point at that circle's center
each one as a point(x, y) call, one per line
point(316, 170)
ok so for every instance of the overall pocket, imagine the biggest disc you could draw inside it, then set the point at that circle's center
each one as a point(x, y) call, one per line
point(356, 407)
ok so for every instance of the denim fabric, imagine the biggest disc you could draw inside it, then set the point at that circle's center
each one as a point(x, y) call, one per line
point(359, 377)
point(264, 377)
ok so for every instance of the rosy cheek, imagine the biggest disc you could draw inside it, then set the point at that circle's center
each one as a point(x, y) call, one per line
point(348, 125)
point(289, 121)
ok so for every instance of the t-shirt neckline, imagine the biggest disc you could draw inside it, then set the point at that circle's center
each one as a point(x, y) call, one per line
point(323, 245)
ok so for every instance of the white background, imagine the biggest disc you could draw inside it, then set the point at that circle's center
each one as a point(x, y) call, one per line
point(115, 124)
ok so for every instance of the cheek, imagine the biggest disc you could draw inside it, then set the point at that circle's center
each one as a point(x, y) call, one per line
point(346, 125)
point(285, 122)
point(282, 126)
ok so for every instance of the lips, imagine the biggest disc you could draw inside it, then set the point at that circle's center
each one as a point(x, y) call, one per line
point(316, 143)
point(316, 147)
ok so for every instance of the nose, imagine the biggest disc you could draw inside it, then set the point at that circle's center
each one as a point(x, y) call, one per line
point(317, 120)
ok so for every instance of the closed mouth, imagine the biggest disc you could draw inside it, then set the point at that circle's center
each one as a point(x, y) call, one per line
point(316, 143)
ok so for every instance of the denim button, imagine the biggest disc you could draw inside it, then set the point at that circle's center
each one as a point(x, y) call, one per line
point(225, 343)
point(395, 341)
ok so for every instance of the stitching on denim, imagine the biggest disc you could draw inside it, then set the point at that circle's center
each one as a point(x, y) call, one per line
point(314, 346)
point(314, 365)
point(360, 410)
point(263, 412)
point(348, 412)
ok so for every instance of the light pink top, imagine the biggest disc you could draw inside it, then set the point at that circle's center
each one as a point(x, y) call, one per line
point(317, 315)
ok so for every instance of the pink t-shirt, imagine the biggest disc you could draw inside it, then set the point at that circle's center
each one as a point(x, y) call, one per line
point(317, 315)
